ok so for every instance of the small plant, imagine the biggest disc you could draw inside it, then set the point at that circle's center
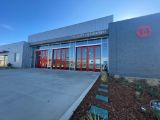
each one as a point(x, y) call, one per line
point(104, 77)
point(93, 117)
point(9, 65)
point(106, 69)
point(139, 86)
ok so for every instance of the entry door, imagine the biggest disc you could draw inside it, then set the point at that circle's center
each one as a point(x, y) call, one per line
point(61, 58)
point(88, 58)
point(2, 61)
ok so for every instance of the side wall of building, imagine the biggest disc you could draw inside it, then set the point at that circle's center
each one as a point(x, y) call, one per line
point(23, 52)
point(15, 48)
point(134, 47)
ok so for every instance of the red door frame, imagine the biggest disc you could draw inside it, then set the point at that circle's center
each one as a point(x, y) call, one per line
point(87, 62)
point(65, 63)
point(87, 57)
point(62, 60)
point(81, 58)
point(94, 68)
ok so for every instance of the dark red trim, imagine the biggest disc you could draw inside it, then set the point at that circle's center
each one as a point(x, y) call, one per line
point(53, 58)
point(65, 58)
point(60, 58)
point(81, 58)
point(87, 62)
point(56, 58)
point(100, 57)
point(94, 59)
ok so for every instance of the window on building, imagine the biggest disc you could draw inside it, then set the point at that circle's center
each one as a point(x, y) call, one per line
point(49, 64)
point(72, 56)
point(65, 45)
point(105, 55)
point(16, 57)
point(97, 41)
point(81, 43)
point(1, 61)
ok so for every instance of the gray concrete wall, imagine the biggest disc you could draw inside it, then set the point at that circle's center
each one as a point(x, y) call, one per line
point(81, 28)
point(27, 55)
point(131, 55)
point(21, 48)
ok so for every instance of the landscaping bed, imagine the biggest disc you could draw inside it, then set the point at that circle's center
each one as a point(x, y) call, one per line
point(126, 100)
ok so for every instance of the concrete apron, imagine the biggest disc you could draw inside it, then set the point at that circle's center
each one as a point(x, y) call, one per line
point(73, 107)
point(38, 94)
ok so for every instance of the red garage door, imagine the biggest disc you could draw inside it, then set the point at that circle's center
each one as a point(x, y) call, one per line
point(88, 58)
point(42, 59)
point(61, 58)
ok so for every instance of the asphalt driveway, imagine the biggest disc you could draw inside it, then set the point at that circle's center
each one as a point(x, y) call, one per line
point(40, 94)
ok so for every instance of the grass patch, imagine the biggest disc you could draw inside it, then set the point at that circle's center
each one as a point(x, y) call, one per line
point(153, 82)
point(104, 77)
point(122, 81)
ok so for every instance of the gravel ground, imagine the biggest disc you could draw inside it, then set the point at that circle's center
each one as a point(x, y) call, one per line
point(123, 104)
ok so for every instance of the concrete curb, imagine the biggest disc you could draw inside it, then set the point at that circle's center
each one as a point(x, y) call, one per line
point(73, 107)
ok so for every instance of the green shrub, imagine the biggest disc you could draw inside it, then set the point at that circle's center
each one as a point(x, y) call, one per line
point(139, 86)
point(9, 65)
point(157, 114)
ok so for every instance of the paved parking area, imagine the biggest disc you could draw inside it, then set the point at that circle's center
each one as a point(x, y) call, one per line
point(40, 94)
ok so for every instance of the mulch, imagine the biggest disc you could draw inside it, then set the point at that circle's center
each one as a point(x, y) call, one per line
point(123, 104)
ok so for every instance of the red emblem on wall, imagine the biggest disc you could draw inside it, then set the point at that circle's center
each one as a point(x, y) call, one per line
point(144, 31)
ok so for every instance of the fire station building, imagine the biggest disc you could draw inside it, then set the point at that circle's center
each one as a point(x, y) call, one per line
point(126, 48)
